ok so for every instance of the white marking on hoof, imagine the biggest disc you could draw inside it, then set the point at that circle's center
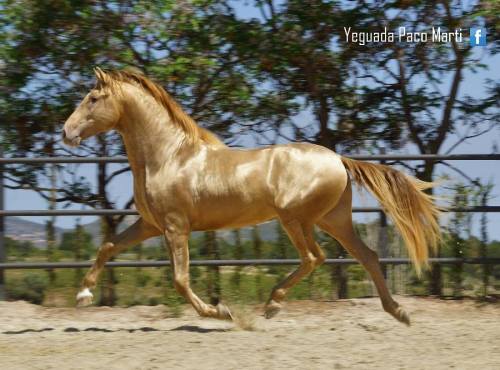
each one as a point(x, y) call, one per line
point(84, 298)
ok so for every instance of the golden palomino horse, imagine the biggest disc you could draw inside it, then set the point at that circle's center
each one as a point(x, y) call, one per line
point(185, 179)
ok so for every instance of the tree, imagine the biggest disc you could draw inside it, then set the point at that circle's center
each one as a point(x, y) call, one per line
point(211, 249)
point(18, 248)
point(78, 242)
point(406, 83)
point(46, 64)
point(484, 196)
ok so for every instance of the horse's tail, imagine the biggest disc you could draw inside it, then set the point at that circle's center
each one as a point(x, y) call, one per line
point(402, 197)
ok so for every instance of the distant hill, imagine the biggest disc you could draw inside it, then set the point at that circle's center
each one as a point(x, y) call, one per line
point(23, 230)
point(267, 232)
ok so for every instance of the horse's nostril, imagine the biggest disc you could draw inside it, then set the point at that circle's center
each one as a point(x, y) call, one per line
point(64, 134)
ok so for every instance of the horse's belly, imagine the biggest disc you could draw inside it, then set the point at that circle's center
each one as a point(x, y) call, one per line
point(230, 215)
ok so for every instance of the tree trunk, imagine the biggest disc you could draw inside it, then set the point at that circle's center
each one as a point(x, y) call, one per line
point(108, 293)
point(483, 249)
point(257, 248)
point(108, 227)
point(323, 116)
point(51, 245)
point(339, 273)
point(238, 255)
point(383, 240)
point(78, 252)
point(2, 232)
point(283, 243)
point(213, 276)
point(50, 226)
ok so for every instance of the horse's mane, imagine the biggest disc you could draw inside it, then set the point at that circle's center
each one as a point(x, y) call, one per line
point(178, 116)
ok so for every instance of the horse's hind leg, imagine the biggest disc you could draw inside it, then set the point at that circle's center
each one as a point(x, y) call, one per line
point(302, 237)
point(135, 234)
point(338, 223)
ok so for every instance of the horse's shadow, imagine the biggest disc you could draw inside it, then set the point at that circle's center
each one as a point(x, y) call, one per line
point(197, 329)
point(188, 328)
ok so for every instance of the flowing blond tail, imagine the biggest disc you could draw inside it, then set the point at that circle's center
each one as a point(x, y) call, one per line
point(402, 197)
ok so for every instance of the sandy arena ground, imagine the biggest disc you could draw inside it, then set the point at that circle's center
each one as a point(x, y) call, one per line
point(347, 334)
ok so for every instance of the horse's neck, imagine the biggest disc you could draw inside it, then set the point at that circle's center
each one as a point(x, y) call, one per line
point(150, 138)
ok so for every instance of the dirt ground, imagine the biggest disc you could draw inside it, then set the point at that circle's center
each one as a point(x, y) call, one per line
point(345, 334)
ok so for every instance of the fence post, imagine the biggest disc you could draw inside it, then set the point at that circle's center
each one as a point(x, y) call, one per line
point(2, 232)
point(383, 239)
point(483, 249)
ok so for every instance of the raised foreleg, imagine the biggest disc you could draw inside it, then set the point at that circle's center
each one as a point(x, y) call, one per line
point(133, 235)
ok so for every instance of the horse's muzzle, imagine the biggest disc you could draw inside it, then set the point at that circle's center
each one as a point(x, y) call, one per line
point(71, 141)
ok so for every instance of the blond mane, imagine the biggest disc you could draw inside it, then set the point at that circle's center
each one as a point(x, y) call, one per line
point(194, 132)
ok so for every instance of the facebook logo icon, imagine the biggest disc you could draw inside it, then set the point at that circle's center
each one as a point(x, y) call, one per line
point(478, 36)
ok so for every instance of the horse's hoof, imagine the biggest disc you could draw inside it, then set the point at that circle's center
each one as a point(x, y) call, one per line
point(272, 309)
point(223, 312)
point(84, 298)
point(402, 316)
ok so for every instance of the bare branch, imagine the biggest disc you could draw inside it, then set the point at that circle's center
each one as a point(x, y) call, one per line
point(463, 174)
point(467, 137)
point(117, 173)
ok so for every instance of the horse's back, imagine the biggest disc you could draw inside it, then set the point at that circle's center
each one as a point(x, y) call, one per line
point(244, 186)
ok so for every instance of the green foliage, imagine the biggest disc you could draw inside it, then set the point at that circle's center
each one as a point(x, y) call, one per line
point(18, 249)
point(151, 286)
point(30, 288)
point(78, 242)
point(142, 279)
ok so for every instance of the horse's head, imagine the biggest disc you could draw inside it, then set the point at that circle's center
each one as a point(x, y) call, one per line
point(98, 112)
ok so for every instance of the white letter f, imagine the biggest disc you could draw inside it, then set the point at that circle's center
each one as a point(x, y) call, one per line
point(477, 35)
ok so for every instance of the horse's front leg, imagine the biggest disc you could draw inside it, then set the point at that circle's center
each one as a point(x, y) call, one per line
point(133, 235)
point(179, 258)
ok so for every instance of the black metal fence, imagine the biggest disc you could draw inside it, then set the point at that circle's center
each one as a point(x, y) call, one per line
point(93, 212)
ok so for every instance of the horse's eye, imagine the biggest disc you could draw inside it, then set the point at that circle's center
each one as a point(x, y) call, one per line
point(93, 99)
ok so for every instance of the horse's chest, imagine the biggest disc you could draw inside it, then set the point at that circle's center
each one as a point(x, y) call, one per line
point(146, 201)
point(154, 197)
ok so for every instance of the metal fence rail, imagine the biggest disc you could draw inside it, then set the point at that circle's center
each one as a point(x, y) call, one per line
point(375, 157)
point(131, 212)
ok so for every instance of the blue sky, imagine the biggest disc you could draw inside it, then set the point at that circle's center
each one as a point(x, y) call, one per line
point(472, 84)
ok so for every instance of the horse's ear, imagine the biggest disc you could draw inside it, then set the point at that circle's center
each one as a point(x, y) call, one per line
point(101, 76)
